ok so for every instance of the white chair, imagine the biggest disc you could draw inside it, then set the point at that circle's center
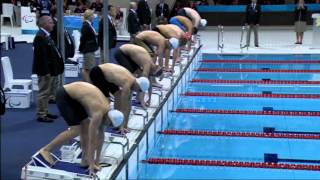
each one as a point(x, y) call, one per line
point(9, 82)
point(7, 12)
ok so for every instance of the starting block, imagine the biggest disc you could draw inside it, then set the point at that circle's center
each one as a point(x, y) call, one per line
point(38, 168)
point(18, 98)
point(71, 70)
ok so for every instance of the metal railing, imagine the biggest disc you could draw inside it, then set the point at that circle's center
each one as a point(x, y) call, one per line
point(220, 43)
point(244, 31)
point(168, 103)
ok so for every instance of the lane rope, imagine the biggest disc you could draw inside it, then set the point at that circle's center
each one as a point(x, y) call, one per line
point(242, 164)
point(253, 81)
point(263, 61)
point(257, 70)
point(249, 112)
point(240, 134)
point(294, 96)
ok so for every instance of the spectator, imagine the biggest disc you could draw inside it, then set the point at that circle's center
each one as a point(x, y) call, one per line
point(253, 12)
point(80, 8)
point(133, 21)
point(162, 12)
point(112, 37)
point(144, 14)
point(44, 7)
point(300, 20)
point(119, 20)
point(88, 44)
point(47, 64)
point(96, 5)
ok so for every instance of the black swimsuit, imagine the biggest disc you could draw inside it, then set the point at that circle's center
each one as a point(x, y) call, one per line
point(98, 79)
point(125, 61)
point(71, 110)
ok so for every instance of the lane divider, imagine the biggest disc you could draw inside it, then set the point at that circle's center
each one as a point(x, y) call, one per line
point(240, 134)
point(295, 96)
point(242, 164)
point(263, 61)
point(253, 81)
point(249, 112)
point(257, 70)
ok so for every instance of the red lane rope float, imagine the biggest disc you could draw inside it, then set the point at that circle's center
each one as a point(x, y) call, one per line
point(242, 164)
point(247, 112)
point(257, 70)
point(252, 81)
point(240, 134)
point(304, 96)
point(263, 61)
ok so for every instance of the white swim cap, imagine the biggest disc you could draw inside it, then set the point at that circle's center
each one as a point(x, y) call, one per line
point(143, 83)
point(116, 117)
point(203, 22)
point(174, 42)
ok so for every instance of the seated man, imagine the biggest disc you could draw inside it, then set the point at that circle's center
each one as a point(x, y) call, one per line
point(148, 39)
point(115, 79)
point(194, 16)
point(172, 31)
point(86, 110)
point(138, 61)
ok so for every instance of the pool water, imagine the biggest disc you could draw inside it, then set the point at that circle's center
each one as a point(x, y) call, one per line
point(235, 148)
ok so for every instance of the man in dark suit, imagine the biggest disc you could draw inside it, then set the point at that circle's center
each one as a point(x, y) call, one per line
point(47, 64)
point(112, 33)
point(144, 14)
point(133, 21)
point(162, 12)
point(253, 13)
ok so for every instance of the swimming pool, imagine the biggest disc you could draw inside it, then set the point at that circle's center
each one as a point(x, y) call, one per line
point(226, 130)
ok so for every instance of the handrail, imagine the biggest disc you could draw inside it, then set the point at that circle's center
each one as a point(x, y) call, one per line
point(153, 118)
point(220, 45)
point(244, 30)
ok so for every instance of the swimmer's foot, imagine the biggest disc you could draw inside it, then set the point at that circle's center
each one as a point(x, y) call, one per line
point(46, 156)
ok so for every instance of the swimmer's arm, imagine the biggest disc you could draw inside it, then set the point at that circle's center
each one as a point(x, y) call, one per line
point(149, 93)
point(189, 28)
point(95, 121)
point(125, 104)
point(146, 69)
point(161, 51)
point(100, 140)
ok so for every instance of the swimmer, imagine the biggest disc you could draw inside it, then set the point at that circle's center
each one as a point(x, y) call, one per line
point(117, 80)
point(86, 111)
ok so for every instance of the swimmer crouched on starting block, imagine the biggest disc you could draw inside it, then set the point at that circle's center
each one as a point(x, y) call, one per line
point(86, 110)
point(138, 61)
point(117, 80)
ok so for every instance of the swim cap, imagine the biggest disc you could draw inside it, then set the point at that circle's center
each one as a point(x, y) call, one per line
point(174, 42)
point(143, 83)
point(203, 22)
point(116, 117)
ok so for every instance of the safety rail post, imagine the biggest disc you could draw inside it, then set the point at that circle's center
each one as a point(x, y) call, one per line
point(220, 38)
point(244, 31)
